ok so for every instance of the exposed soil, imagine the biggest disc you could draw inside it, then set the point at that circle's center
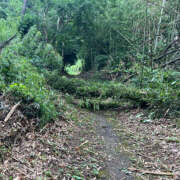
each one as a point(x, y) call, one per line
point(153, 144)
point(118, 162)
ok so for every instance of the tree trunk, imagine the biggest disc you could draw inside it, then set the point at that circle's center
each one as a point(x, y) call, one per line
point(159, 25)
point(24, 7)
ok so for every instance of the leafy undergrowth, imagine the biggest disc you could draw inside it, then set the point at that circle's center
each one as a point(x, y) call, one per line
point(75, 69)
point(68, 148)
point(20, 75)
point(160, 94)
point(99, 91)
point(154, 146)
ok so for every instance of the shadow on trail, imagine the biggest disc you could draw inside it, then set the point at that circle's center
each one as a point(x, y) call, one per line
point(118, 162)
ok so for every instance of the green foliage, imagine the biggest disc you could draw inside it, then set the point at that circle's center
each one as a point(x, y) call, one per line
point(3, 15)
point(2, 85)
point(41, 54)
point(118, 36)
point(97, 90)
point(160, 92)
point(162, 89)
point(75, 69)
point(26, 23)
point(62, 83)
point(12, 8)
point(8, 28)
point(23, 81)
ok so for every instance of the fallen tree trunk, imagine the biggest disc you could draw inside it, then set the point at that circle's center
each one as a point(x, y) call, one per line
point(170, 45)
point(167, 53)
point(171, 62)
point(4, 44)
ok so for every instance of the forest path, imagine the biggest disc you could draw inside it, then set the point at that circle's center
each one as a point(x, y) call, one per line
point(133, 142)
point(118, 162)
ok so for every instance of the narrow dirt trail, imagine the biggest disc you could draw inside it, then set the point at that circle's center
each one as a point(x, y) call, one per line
point(118, 162)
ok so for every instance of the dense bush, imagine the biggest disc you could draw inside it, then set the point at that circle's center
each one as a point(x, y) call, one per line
point(41, 54)
point(160, 93)
point(20, 64)
point(90, 89)
point(2, 84)
point(162, 89)
point(8, 29)
point(88, 30)
point(23, 81)
point(2, 14)
point(26, 23)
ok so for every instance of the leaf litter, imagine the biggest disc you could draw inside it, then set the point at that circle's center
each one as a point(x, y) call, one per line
point(154, 147)
point(64, 149)
point(71, 149)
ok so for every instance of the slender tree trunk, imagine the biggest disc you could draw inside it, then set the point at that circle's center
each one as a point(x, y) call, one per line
point(158, 28)
point(144, 42)
point(24, 7)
